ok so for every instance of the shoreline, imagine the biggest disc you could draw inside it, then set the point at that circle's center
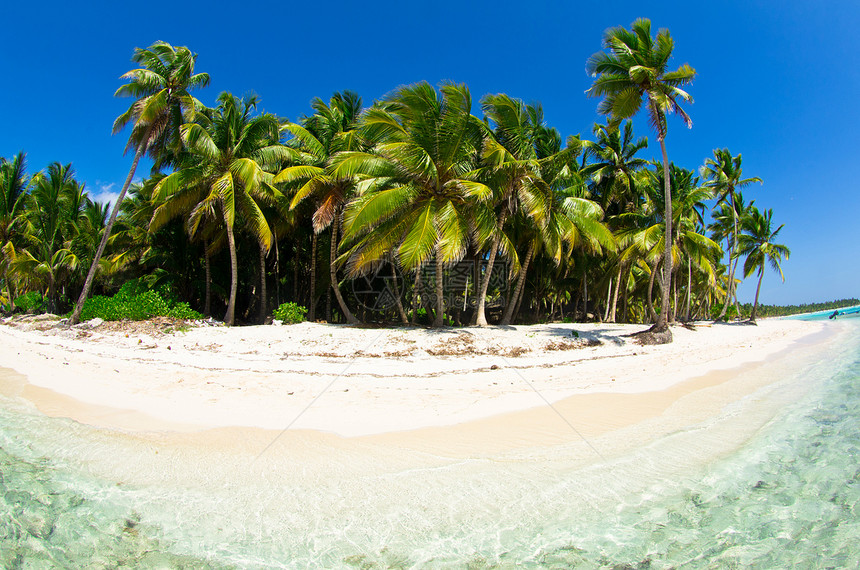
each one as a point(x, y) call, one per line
point(385, 384)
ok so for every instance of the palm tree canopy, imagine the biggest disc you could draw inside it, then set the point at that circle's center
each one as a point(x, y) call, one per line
point(613, 163)
point(636, 65)
point(758, 243)
point(331, 129)
point(162, 103)
point(419, 179)
point(724, 174)
point(233, 160)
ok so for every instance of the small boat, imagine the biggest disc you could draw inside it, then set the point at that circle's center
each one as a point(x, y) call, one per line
point(839, 313)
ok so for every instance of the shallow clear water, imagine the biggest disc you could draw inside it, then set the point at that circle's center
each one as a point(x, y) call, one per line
point(784, 492)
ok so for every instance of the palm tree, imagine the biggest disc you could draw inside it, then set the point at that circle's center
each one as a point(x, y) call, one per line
point(612, 163)
point(758, 243)
point(612, 168)
point(13, 186)
point(722, 228)
point(231, 167)
point(53, 212)
point(510, 162)
point(420, 186)
point(557, 217)
point(162, 103)
point(636, 68)
point(724, 175)
point(330, 130)
point(644, 235)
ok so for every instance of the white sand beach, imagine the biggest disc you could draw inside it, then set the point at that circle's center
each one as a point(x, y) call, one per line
point(364, 381)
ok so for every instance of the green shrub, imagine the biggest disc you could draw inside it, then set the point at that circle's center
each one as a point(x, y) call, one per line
point(136, 302)
point(183, 311)
point(31, 301)
point(290, 313)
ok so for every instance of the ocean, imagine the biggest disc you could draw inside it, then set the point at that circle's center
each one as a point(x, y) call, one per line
point(772, 482)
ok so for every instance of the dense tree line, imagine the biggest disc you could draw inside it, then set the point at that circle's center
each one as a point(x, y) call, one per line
point(423, 207)
point(786, 310)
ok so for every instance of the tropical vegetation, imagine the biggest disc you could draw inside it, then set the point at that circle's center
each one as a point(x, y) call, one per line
point(424, 207)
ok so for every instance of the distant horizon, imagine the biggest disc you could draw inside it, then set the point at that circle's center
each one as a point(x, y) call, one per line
point(787, 110)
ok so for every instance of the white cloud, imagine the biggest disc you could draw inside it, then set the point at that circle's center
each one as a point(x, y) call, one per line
point(105, 193)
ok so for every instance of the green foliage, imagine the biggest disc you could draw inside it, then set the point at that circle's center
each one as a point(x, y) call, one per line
point(183, 311)
point(290, 313)
point(135, 301)
point(31, 302)
point(785, 310)
point(731, 312)
point(422, 317)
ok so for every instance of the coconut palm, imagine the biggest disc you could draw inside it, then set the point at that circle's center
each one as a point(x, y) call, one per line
point(230, 171)
point(635, 68)
point(557, 218)
point(330, 130)
point(758, 242)
point(418, 195)
point(612, 167)
point(724, 174)
point(13, 186)
point(612, 163)
point(644, 234)
point(162, 103)
point(53, 211)
point(511, 162)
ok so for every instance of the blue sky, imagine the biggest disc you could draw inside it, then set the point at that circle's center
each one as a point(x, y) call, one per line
point(777, 82)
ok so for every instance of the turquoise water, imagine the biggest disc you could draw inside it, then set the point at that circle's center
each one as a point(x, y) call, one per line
point(784, 492)
point(820, 315)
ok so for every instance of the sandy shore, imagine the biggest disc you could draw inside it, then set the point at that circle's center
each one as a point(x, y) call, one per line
point(363, 381)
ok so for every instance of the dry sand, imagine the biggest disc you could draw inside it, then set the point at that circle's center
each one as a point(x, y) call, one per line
point(360, 382)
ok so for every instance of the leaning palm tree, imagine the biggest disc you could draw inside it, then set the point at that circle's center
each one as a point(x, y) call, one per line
point(162, 103)
point(635, 68)
point(758, 243)
point(724, 175)
point(231, 167)
point(556, 217)
point(510, 164)
point(419, 189)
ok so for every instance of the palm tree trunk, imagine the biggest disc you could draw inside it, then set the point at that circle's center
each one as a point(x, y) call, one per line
point(404, 319)
point(277, 275)
point(295, 274)
point(585, 297)
point(480, 316)
point(615, 295)
point(312, 297)
point(261, 315)
point(207, 303)
point(732, 261)
point(347, 314)
point(91, 274)
point(416, 288)
point(689, 287)
point(662, 323)
point(439, 318)
point(608, 302)
point(52, 294)
point(651, 312)
point(230, 315)
point(673, 316)
point(757, 290)
point(521, 281)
